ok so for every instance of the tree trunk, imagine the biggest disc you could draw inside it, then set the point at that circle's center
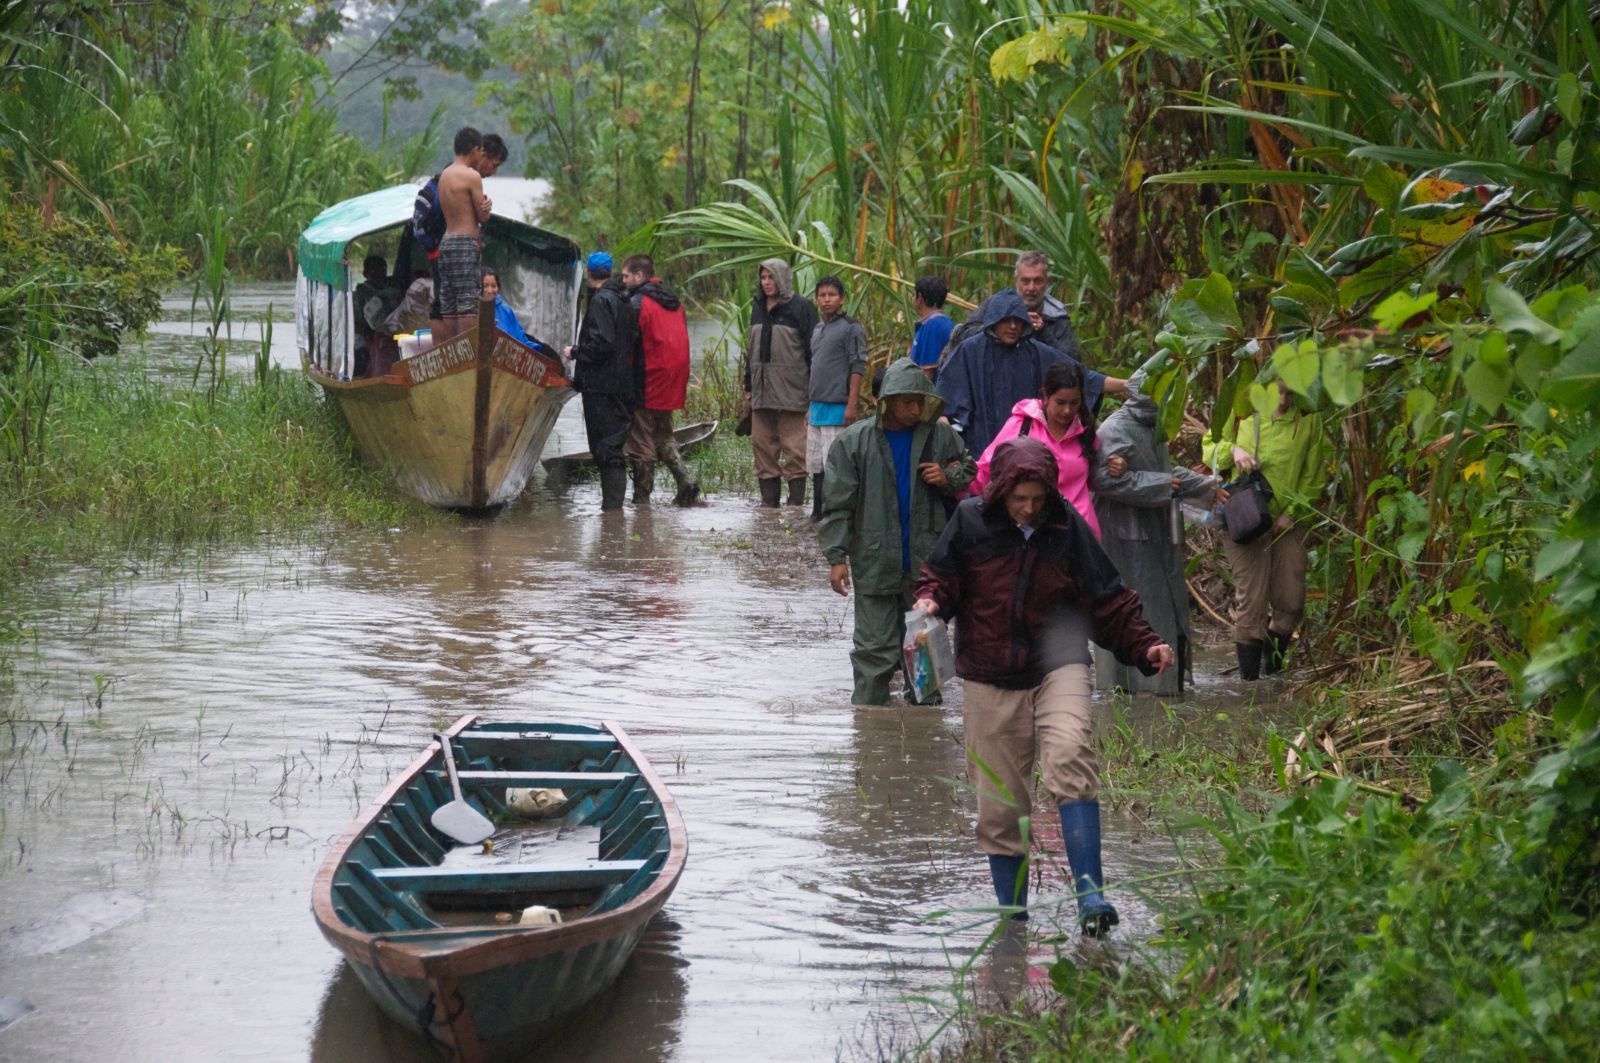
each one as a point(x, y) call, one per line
point(688, 139)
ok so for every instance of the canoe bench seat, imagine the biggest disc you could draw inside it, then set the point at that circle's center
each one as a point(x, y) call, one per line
point(509, 878)
point(536, 743)
point(556, 780)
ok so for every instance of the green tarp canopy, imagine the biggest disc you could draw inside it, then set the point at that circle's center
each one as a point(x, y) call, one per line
point(321, 247)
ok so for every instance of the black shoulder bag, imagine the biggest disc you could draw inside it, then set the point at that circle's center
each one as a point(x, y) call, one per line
point(1248, 511)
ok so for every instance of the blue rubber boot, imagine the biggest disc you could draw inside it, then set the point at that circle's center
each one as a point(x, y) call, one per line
point(1010, 876)
point(1080, 829)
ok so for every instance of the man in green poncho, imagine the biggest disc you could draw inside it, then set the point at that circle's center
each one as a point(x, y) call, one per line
point(883, 509)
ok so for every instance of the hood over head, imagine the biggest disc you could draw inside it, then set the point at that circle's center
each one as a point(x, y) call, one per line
point(660, 293)
point(1007, 304)
point(1016, 461)
point(905, 377)
point(783, 275)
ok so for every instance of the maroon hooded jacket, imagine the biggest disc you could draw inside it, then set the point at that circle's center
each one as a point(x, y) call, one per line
point(1026, 607)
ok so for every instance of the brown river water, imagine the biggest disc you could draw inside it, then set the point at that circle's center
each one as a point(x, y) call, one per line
point(186, 739)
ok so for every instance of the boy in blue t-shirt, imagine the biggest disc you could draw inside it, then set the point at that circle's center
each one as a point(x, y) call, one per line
point(933, 325)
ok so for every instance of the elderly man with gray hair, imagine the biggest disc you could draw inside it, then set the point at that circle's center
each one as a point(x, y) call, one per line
point(1052, 325)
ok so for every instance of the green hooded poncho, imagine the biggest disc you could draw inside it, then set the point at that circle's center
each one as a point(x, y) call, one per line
point(861, 508)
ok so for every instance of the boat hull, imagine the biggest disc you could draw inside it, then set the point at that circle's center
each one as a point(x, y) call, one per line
point(483, 990)
point(461, 425)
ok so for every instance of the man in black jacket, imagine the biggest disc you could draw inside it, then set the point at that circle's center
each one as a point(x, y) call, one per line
point(609, 375)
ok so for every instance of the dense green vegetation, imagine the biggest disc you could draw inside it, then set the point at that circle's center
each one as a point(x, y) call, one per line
point(1391, 208)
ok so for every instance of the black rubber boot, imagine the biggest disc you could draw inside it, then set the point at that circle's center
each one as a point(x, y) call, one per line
point(1276, 658)
point(644, 481)
point(770, 490)
point(1249, 660)
point(688, 490)
point(797, 491)
point(613, 486)
point(816, 497)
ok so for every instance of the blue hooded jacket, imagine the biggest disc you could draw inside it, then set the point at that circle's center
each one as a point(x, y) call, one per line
point(984, 378)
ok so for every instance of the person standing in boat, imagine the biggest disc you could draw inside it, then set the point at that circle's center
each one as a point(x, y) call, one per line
point(608, 374)
point(1028, 584)
point(884, 502)
point(777, 375)
point(460, 267)
point(664, 342)
point(838, 362)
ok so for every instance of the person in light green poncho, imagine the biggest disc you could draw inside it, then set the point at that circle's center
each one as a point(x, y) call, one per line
point(1269, 575)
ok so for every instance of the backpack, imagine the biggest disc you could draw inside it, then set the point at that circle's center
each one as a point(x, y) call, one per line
point(427, 215)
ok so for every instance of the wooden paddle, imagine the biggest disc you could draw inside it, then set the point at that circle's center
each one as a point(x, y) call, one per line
point(457, 819)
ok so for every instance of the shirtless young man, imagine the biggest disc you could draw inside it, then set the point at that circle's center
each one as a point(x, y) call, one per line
point(466, 208)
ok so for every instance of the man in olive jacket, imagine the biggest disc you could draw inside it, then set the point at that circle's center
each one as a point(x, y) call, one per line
point(883, 508)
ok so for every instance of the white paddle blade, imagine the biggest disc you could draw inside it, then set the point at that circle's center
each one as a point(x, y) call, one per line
point(462, 822)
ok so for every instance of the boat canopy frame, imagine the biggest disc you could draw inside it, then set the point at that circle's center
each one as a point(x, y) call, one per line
point(325, 282)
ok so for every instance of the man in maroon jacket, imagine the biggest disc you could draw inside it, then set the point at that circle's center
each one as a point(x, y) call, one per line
point(664, 336)
point(1029, 585)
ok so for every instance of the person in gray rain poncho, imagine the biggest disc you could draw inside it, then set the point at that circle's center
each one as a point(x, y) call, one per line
point(1135, 511)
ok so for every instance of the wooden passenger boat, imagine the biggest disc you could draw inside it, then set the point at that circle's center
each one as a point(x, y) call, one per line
point(422, 921)
point(461, 424)
point(688, 437)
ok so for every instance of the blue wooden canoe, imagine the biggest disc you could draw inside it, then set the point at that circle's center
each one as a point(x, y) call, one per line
point(422, 919)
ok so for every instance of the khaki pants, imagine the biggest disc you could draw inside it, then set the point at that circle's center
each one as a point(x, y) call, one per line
point(779, 435)
point(1269, 576)
point(1003, 729)
point(650, 437)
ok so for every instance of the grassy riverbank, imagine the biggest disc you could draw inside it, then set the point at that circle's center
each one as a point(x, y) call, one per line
point(130, 465)
point(1326, 917)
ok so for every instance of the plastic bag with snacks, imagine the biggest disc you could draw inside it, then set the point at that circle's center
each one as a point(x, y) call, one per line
point(927, 654)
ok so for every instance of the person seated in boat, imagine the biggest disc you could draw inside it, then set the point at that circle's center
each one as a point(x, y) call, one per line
point(505, 318)
point(375, 299)
point(413, 311)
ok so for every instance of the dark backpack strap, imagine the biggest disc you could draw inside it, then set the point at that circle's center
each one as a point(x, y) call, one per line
point(1027, 426)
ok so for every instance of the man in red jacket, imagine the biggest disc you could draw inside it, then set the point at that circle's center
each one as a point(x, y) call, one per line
point(664, 336)
point(1029, 585)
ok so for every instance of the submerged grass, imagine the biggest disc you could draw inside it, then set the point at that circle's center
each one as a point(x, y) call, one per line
point(131, 464)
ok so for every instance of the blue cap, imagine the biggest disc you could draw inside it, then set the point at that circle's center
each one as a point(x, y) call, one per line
point(600, 262)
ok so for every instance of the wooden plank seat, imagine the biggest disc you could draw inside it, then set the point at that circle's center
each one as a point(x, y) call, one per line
point(536, 743)
point(556, 780)
point(509, 877)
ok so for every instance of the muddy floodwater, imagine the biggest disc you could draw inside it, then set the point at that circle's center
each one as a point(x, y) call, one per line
point(185, 740)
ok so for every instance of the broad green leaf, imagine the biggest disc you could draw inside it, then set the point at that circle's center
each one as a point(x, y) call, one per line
point(1420, 404)
point(1341, 375)
point(1575, 379)
point(1297, 365)
point(1556, 556)
point(1401, 307)
point(1513, 315)
point(1487, 384)
point(1249, 177)
point(1263, 399)
point(1369, 249)
point(1383, 186)
point(1569, 97)
point(1246, 373)
point(1217, 300)
point(1494, 351)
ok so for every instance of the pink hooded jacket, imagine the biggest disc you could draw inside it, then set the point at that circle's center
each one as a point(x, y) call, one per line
point(1072, 470)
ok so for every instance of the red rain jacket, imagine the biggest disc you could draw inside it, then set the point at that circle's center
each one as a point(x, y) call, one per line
point(664, 335)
